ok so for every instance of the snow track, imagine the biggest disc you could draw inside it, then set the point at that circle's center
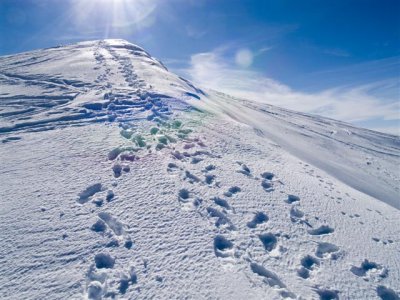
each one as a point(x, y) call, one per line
point(144, 187)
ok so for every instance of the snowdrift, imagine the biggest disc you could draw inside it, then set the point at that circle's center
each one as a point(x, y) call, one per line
point(122, 180)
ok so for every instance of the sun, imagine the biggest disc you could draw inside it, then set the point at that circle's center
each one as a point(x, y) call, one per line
point(112, 16)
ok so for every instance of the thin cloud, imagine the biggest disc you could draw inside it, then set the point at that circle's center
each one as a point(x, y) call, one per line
point(194, 32)
point(337, 52)
point(263, 50)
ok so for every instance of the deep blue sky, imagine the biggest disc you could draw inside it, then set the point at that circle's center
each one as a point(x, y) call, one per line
point(308, 46)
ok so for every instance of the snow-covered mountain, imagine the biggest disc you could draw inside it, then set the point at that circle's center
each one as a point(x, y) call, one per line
point(120, 179)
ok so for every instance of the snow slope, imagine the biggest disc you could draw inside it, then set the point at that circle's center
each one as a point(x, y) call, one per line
point(122, 180)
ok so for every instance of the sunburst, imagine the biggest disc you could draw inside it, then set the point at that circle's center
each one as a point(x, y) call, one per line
point(112, 16)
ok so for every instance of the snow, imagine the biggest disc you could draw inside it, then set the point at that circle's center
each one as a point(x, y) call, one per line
point(122, 180)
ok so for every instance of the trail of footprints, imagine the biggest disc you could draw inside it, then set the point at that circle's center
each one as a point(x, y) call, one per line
point(116, 234)
point(110, 227)
point(218, 211)
point(122, 106)
point(219, 208)
point(163, 135)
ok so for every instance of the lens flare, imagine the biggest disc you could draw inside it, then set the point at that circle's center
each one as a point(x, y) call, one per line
point(244, 58)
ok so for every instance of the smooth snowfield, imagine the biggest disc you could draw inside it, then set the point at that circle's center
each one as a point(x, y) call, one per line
point(121, 180)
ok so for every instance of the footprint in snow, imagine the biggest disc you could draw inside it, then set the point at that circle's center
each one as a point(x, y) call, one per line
point(327, 250)
point(232, 190)
point(188, 146)
point(187, 200)
point(244, 169)
point(91, 190)
point(386, 293)
point(110, 195)
point(267, 185)
point(323, 229)
point(292, 198)
point(196, 160)
point(308, 263)
point(222, 221)
point(327, 294)
point(209, 179)
point(173, 168)
point(369, 269)
point(297, 216)
point(117, 170)
point(191, 178)
point(106, 220)
point(209, 168)
point(179, 156)
point(221, 202)
point(96, 283)
point(97, 278)
point(378, 240)
point(271, 279)
point(269, 241)
point(267, 175)
point(99, 226)
point(104, 261)
point(186, 175)
point(258, 219)
point(95, 290)
point(127, 279)
point(223, 247)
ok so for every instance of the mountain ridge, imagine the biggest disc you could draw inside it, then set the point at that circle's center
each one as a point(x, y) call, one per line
point(120, 179)
point(145, 78)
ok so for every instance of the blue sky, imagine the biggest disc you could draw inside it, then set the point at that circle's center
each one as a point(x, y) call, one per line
point(337, 58)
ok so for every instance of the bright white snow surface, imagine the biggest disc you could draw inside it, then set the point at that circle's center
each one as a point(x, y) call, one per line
point(122, 180)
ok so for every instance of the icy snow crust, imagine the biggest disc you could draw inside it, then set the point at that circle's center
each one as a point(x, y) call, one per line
point(121, 180)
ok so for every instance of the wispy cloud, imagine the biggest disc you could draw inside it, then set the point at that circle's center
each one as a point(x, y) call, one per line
point(336, 52)
point(263, 50)
point(194, 32)
point(348, 103)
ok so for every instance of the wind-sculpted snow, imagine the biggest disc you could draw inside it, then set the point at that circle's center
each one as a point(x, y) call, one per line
point(366, 160)
point(160, 191)
point(85, 83)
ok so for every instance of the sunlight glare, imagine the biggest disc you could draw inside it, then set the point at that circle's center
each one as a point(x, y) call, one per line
point(112, 16)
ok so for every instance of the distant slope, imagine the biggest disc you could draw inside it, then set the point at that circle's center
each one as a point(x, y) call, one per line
point(368, 161)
